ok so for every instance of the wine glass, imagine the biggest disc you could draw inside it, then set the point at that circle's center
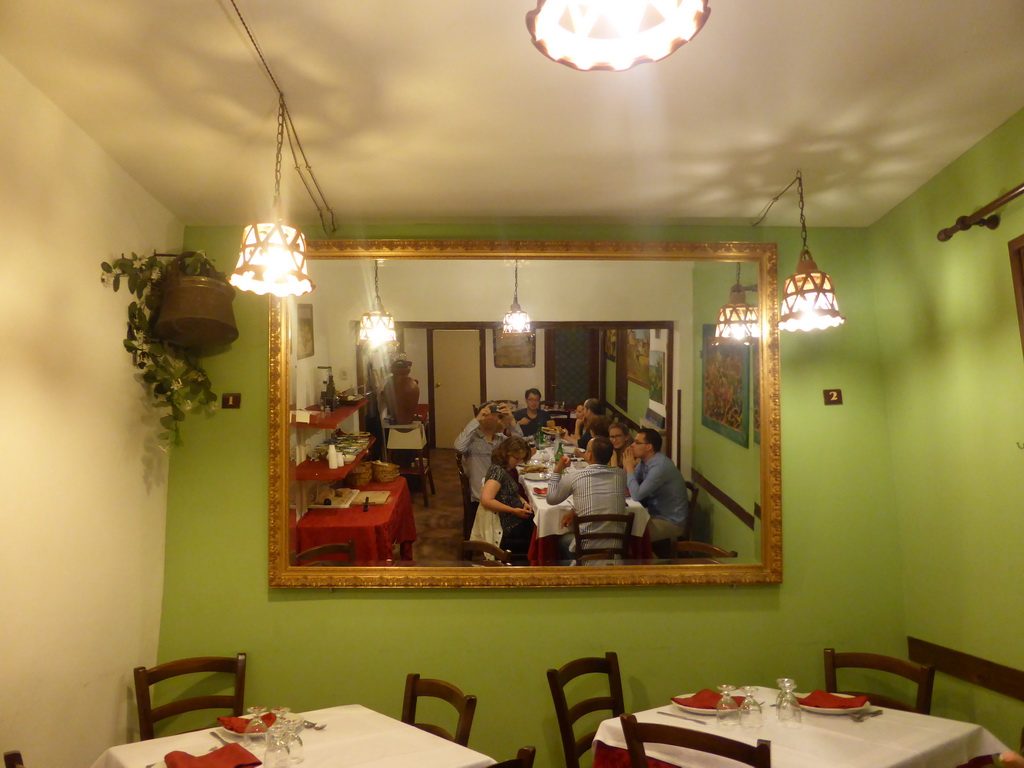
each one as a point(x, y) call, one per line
point(255, 736)
point(786, 706)
point(750, 709)
point(296, 751)
point(727, 710)
point(276, 755)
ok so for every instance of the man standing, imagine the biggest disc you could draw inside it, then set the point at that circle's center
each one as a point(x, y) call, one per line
point(491, 425)
point(595, 489)
point(532, 417)
point(657, 483)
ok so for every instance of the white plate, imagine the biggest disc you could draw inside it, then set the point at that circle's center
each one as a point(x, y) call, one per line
point(693, 710)
point(535, 477)
point(832, 710)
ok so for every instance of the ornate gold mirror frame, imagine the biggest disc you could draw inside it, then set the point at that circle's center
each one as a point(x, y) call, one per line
point(769, 570)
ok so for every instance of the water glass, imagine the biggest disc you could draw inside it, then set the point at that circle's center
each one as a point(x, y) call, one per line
point(727, 710)
point(786, 706)
point(276, 755)
point(750, 709)
point(254, 738)
point(296, 751)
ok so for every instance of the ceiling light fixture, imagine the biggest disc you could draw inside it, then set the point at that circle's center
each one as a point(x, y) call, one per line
point(377, 326)
point(516, 321)
point(737, 320)
point(272, 258)
point(613, 34)
point(808, 295)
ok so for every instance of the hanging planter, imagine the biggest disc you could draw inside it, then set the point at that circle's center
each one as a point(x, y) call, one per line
point(183, 305)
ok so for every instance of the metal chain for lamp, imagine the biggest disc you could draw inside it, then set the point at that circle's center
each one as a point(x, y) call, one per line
point(277, 159)
point(803, 221)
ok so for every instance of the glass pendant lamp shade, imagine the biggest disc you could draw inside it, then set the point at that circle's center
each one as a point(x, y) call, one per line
point(376, 326)
point(516, 321)
point(808, 299)
point(613, 34)
point(272, 260)
point(737, 320)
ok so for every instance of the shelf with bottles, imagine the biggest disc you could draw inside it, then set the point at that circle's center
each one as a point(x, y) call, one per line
point(318, 419)
point(320, 471)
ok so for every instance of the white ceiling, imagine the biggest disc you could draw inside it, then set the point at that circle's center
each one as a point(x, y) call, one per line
point(443, 108)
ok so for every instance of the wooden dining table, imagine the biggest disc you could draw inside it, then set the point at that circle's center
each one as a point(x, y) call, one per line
point(353, 737)
point(894, 739)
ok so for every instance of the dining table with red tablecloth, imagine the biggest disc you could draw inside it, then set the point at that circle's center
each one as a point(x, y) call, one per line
point(374, 531)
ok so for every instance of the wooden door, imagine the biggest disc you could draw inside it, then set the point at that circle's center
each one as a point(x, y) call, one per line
point(456, 380)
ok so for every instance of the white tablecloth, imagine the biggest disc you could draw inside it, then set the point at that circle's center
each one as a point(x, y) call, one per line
point(548, 517)
point(355, 737)
point(892, 740)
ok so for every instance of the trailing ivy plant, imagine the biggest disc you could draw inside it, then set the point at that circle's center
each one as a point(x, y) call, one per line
point(173, 375)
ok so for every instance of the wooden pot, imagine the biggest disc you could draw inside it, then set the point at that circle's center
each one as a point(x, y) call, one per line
point(196, 312)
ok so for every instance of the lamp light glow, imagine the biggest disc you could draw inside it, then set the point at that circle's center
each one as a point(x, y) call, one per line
point(272, 260)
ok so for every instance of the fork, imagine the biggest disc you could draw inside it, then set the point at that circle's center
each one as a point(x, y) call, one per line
point(860, 717)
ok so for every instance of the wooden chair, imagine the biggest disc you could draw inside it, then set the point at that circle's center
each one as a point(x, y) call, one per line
point(314, 555)
point(411, 439)
point(692, 491)
point(523, 759)
point(638, 734)
point(921, 674)
point(473, 547)
point(567, 716)
point(415, 687)
point(587, 549)
point(468, 505)
point(13, 759)
point(144, 678)
point(711, 552)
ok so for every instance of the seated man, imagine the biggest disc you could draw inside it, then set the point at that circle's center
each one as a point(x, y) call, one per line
point(595, 489)
point(657, 483)
point(531, 418)
point(491, 425)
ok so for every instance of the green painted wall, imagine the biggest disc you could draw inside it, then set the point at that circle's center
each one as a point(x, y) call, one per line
point(317, 648)
point(954, 378)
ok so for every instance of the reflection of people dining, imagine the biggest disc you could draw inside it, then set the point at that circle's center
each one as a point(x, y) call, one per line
point(500, 498)
point(595, 489)
point(491, 425)
point(657, 483)
point(621, 441)
point(532, 417)
point(585, 415)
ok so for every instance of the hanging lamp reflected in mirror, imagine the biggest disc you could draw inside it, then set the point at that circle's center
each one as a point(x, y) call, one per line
point(376, 326)
point(516, 321)
point(738, 322)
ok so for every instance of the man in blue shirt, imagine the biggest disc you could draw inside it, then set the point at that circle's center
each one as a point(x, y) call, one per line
point(657, 483)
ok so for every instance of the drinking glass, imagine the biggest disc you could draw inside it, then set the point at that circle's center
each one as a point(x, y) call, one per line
point(276, 755)
point(786, 706)
point(296, 751)
point(728, 710)
point(750, 709)
point(254, 738)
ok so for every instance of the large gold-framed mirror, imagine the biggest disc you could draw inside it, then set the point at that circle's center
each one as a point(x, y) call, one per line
point(688, 281)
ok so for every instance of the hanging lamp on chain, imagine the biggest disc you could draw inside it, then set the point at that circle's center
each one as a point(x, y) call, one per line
point(738, 321)
point(516, 321)
point(376, 326)
point(613, 34)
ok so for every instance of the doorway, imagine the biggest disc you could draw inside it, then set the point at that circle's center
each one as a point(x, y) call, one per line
point(455, 378)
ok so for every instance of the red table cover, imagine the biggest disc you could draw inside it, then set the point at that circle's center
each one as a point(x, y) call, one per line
point(374, 531)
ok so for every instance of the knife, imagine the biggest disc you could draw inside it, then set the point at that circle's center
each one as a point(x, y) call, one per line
point(683, 717)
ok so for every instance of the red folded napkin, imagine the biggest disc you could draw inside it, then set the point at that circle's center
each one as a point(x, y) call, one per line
point(238, 724)
point(706, 699)
point(231, 756)
point(823, 700)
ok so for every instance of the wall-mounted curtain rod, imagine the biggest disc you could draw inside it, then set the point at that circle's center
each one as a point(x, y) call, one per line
point(980, 218)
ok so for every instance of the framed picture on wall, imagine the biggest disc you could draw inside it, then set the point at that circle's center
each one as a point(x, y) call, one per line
point(305, 330)
point(725, 390)
point(656, 375)
point(518, 350)
point(638, 350)
point(611, 338)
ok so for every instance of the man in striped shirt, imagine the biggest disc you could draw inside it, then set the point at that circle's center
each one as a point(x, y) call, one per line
point(595, 489)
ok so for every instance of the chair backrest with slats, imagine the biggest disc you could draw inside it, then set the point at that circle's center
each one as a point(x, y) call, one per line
point(474, 547)
point(13, 759)
point(921, 674)
point(638, 734)
point(523, 759)
point(315, 556)
point(465, 706)
point(567, 715)
point(144, 678)
point(607, 536)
